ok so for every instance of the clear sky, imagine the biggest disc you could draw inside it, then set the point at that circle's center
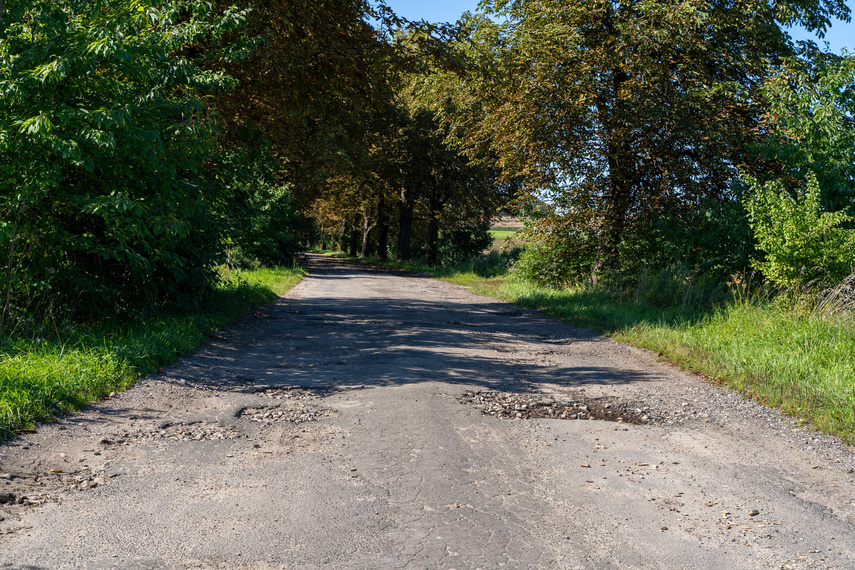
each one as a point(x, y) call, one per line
point(841, 35)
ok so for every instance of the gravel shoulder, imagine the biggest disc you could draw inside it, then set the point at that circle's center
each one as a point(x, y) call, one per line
point(369, 419)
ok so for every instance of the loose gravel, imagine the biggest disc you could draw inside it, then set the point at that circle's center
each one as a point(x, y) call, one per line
point(511, 405)
point(298, 415)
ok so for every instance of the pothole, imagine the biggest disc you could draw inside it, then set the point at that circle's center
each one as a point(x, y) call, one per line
point(512, 405)
point(292, 393)
point(296, 415)
point(194, 432)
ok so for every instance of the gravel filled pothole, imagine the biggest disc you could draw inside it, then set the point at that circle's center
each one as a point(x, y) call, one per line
point(181, 432)
point(291, 392)
point(512, 405)
point(297, 415)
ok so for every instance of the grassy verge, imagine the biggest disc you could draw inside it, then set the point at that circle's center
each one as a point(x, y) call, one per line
point(43, 378)
point(801, 363)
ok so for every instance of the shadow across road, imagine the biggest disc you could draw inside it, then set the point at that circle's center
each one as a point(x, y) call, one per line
point(346, 326)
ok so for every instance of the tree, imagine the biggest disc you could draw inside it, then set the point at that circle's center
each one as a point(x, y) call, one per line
point(811, 121)
point(613, 111)
point(104, 131)
point(310, 74)
point(802, 210)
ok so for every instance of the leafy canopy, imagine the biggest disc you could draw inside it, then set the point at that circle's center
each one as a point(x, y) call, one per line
point(104, 129)
point(801, 242)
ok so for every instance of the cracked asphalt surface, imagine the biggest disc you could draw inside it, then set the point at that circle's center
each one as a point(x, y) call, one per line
point(332, 429)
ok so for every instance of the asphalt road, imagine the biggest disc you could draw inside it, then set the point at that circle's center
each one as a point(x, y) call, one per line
point(336, 428)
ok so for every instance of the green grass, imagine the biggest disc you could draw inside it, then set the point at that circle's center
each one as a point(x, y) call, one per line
point(44, 378)
point(800, 363)
point(502, 233)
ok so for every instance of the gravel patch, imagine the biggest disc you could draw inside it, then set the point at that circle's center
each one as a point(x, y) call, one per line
point(513, 405)
point(202, 431)
point(297, 415)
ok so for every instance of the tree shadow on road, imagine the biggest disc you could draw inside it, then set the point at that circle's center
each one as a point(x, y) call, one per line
point(381, 335)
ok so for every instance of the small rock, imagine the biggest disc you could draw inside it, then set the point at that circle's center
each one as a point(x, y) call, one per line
point(663, 528)
point(6, 498)
point(754, 513)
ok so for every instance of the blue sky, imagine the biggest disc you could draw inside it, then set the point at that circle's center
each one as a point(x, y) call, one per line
point(841, 35)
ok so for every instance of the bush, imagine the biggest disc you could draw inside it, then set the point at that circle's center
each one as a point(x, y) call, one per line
point(104, 130)
point(558, 258)
point(459, 245)
point(801, 242)
point(545, 266)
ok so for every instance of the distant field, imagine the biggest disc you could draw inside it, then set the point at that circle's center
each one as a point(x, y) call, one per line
point(508, 222)
point(503, 231)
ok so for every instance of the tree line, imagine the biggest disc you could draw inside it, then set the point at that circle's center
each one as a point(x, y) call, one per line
point(645, 133)
point(145, 143)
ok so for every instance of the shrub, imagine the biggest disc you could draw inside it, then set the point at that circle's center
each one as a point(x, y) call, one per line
point(544, 265)
point(801, 242)
point(459, 245)
point(104, 130)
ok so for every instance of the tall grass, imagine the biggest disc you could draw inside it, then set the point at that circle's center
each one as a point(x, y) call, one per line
point(44, 377)
point(801, 363)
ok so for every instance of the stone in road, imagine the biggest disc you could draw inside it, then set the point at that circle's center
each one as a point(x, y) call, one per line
point(376, 461)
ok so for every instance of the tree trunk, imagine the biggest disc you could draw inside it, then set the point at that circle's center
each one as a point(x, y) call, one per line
point(433, 229)
point(382, 231)
point(367, 226)
point(405, 230)
point(621, 165)
point(354, 239)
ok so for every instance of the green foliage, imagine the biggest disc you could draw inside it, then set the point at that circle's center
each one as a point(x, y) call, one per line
point(615, 113)
point(712, 237)
point(43, 377)
point(812, 121)
point(103, 133)
point(557, 257)
point(459, 245)
point(801, 242)
point(270, 238)
point(258, 217)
